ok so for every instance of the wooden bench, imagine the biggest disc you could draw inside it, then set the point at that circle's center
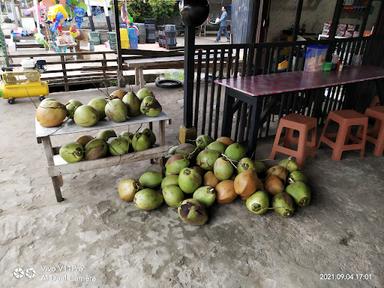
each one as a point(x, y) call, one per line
point(153, 63)
point(160, 63)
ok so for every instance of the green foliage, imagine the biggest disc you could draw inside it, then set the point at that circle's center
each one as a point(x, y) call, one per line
point(162, 8)
point(139, 10)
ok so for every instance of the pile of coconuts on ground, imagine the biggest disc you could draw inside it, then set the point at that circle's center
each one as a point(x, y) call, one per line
point(107, 143)
point(199, 175)
point(118, 107)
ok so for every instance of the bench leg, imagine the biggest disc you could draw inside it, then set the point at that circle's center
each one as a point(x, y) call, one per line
point(142, 81)
point(137, 77)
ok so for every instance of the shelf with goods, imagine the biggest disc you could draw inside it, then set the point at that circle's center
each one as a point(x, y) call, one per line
point(58, 167)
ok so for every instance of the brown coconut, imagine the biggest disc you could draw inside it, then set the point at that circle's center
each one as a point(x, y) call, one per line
point(225, 192)
point(278, 171)
point(51, 113)
point(119, 93)
point(246, 183)
point(225, 140)
point(210, 179)
point(274, 185)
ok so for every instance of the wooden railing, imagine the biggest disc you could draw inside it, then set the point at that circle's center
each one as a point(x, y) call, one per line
point(93, 68)
point(67, 69)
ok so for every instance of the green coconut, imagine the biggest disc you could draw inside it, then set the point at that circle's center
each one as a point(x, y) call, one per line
point(72, 152)
point(223, 169)
point(86, 116)
point(206, 195)
point(206, 159)
point(133, 104)
point(99, 105)
point(258, 203)
point(189, 180)
point(148, 199)
point(143, 93)
point(118, 146)
point(173, 195)
point(116, 110)
point(192, 212)
point(235, 152)
point(71, 107)
point(151, 179)
point(96, 149)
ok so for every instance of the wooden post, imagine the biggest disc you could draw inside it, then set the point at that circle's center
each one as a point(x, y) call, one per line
point(104, 65)
point(62, 59)
point(119, 56)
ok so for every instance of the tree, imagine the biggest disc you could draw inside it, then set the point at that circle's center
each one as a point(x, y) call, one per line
point(139, 10)
point(162, 9)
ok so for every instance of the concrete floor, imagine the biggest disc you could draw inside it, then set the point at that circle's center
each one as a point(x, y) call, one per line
point(93, 234)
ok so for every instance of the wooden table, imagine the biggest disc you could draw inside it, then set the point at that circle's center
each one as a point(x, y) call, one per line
point(58, 167)
point(252, 89)
point(152, 63)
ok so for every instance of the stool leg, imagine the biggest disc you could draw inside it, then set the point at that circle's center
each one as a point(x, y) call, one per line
point(301, 147)
point(379, 146)
point(364, 139)
point(323, 132)
point(340, 140)
point(313, 143)
point(276, 143)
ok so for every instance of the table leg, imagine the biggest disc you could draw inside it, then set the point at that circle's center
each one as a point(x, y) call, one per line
point(226, 129)
point(162, 133)
point(253, 131)
point(162, 140)
point(57, 181)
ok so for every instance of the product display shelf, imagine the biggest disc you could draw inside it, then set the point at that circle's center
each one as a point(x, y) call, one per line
point(58, 167)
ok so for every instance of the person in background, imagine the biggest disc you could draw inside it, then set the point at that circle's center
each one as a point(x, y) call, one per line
point(223, 25)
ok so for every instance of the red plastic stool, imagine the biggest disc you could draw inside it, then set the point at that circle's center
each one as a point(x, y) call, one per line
point(376, 134)
point(345, 119)
point(306, 142)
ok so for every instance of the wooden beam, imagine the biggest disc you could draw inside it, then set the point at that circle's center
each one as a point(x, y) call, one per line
point(119, 54)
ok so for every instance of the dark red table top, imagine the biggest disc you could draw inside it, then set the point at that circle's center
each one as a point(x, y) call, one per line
point(261, 85)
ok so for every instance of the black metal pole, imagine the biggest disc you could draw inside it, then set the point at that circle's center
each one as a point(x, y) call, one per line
point(108, 19)
point(365, 18)
point(118, 44)
point(335, 19)
point(189, 55)
point(296, 29)
point(91, 24)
